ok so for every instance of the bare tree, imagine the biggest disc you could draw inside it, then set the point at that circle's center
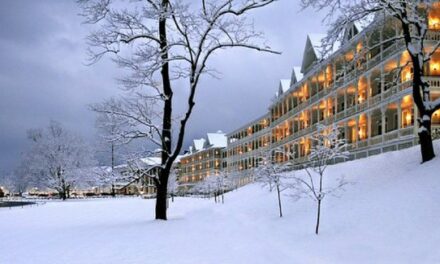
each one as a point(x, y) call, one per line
point(109, 126)
point(215, 185)
point(107, 177)
point(271, 171)
point(328, 147)
point(163, 42)
point(412, 16)
point(17, 181)
point(173, 183)
point(56, 157)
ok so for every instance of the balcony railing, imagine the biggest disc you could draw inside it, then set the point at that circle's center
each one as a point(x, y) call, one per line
point(433, 35)
point(391, 135)
point(433, 81)
point(362, 144)
point(407, 131)
point(375, 140)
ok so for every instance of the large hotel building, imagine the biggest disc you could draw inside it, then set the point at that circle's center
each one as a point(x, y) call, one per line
point(364, 87)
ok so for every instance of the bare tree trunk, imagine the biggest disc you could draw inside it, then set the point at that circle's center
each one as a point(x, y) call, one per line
point(279, 200)
point(63, 190)
point(318, 217)
point(425, 138)
point(319, 198)
point(113, 156)
point(113, 190)
point(420, 95)
point(161, 198)
point(62, 194)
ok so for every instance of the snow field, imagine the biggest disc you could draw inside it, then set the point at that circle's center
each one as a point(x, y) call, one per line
point(390, 214)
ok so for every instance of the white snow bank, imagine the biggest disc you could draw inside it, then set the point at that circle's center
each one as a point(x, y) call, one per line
point(390, 215)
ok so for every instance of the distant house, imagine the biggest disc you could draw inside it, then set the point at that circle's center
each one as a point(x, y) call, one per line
point(141, 174)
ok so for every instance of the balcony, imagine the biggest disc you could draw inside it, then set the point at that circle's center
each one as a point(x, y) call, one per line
point(375, 140)
point(433, 35)
point(362, 106)
point(407, 131)
point(391, 135)
point(372, 101)
point(362, 144)
point(433, 82)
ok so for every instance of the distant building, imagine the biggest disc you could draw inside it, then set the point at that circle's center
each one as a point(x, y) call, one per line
point(245, 145)
point(140, 175)
point(204, 158)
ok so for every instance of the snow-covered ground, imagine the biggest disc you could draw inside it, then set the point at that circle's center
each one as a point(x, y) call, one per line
point(390, 215)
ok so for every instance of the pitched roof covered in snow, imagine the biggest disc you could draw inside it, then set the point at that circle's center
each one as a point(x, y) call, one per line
point(217, 140)
point(312, 51)
point(212, 140)
point(296, 75)
point(354, 28)
point(283, 87)
point(151, 161)
point(199, 144)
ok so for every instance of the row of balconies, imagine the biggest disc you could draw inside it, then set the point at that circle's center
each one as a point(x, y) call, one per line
point(252, 136)
point(320, 96)
point(372, 102)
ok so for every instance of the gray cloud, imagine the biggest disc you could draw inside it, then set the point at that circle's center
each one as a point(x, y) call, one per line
point(43, 74)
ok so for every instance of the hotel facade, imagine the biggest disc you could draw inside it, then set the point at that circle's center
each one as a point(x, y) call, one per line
point(364, 87)
point(205, 157)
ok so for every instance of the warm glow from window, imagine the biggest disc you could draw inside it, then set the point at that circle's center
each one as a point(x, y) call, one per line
point(351, 90)
point(321, 77)
point(434, 67)
point(406, 74)
point(362, 90)
point(433, 23)
point(390, 66)
point(359, 47)
point(328, 73)
point(361, 133)
point(408, 118)
point(407, 101)
point(434, 17)
point(436, 117)
point(405, 58)
point(407, 112)
point(351, 123)
point(349, 56)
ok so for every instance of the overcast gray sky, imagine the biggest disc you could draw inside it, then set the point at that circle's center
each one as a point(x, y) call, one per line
point(43, 75)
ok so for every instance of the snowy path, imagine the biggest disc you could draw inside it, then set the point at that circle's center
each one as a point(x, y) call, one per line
point(390, 215)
